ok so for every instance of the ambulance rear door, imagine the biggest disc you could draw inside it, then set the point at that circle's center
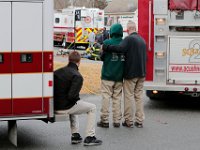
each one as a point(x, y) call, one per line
point(5, 59)
point(27, 58)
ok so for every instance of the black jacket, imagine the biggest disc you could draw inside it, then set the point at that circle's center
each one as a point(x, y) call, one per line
point(67, 85)
point(134, 48)
point(99, 38)
point(105, 35)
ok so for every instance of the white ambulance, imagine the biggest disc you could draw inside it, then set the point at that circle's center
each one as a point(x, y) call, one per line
point(26, 61)
point(76, 30)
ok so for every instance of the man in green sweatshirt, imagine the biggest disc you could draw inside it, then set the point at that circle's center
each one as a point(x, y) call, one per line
point(112, 79)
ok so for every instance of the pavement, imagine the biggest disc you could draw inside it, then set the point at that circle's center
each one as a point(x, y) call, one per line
point(33, 134)
point(168, 126)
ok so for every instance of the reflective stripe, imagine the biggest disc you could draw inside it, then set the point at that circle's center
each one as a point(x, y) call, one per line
point(84, 39)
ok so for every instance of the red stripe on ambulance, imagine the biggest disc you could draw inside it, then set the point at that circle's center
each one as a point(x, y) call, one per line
point(35, 66)
point(5, 65)
point(5, 106)
point(34, 106)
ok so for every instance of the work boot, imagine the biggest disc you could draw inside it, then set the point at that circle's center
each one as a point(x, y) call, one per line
point(127, 124)
point(138, 125)
point(76, 138)
point(102, 124)
point(92, 141)
point(116, 125)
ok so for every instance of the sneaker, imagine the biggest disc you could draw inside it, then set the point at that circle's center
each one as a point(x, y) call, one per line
point(116, 125)
point(138, 125)
point(76, 138)
point(92, 141)
point(102, 124)
point(126, 124)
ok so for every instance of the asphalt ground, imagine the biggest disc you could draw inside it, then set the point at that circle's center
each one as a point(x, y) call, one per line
point(173, 124)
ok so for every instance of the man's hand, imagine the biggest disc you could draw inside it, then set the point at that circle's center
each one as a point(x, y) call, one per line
point(105, 47)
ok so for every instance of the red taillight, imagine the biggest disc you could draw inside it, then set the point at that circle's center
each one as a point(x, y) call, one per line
point(50, 57)
point(50, 66)
point(48, 62)
point(186, 89)
point(50, 83)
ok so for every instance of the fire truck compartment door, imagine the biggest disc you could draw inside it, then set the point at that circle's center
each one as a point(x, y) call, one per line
point(27, 52)
point(184, 60)
point(5, 58)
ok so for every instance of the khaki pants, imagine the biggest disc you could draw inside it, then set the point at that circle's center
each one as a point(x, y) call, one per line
point(111, 90)
point(133, 91)
point(81, 108)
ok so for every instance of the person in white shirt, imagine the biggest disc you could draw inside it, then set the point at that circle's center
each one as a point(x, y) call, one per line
point(91, 39)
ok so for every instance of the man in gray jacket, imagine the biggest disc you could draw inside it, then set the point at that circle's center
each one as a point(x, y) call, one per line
point(134, 48)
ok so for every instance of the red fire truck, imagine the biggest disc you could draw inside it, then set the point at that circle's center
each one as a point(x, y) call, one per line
point(26, 62)
point(172, 33)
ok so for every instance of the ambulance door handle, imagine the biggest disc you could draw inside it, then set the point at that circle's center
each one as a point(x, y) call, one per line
point(150, 11)
point(1, 58)
point(26, 58)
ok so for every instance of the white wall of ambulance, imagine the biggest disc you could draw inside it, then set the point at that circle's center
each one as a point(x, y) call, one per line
point(26, 28)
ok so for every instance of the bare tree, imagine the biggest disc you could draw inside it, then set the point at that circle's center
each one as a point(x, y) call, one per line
point(100, 4)
point(91, 3)
point(60, 4)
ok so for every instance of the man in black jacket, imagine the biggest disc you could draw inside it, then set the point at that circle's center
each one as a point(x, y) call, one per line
point(67, 85)
point(105, 34)
point(134, 48)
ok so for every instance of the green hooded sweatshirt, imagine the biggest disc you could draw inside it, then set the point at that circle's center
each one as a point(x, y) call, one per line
point(113, 63)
